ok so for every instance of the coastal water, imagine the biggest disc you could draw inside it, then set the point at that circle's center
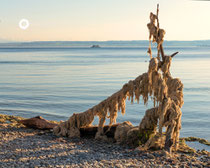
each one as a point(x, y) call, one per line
point(56, 82)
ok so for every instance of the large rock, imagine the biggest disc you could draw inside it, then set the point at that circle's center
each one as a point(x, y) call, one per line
point(133, 137)
point(121, 132)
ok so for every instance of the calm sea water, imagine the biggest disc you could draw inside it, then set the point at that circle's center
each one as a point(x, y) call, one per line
point(56, 82)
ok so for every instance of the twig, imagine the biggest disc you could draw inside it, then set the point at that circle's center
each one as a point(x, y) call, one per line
point(172, 55)
point(157, 35)
point(162, 52)
point(160, 48)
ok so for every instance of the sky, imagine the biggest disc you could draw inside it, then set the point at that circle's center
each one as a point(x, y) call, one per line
point(102, 20)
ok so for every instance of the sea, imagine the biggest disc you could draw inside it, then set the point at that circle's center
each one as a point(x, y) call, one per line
point(59, 78)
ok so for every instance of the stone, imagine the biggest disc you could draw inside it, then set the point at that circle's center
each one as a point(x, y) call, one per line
point(133, 137)
point(121, 132)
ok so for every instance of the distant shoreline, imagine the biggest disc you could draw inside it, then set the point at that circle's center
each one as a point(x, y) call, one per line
point(102, 44)
point(81, 41)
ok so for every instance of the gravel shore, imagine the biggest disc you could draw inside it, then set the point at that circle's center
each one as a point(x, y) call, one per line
point(23, 147)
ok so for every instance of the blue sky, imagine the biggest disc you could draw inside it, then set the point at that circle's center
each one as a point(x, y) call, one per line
point(102, 19)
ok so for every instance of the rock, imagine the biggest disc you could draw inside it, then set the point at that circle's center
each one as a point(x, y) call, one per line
point(119, 166)
point(168, 166)
point(133, 137)
point(121, 132)
point(150, 156)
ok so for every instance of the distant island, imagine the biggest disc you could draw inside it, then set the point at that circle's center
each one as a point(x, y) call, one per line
point(95, 46)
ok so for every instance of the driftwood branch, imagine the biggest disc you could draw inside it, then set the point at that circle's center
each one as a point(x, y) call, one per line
point(172, 55)
point(160, 48)
point(38, 123)
point(162, 52)
point(168, 100)
point(90, 131)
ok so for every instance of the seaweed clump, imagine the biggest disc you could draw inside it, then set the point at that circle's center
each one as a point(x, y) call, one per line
point(200, 140)
point(157, 84)
point(11, 120)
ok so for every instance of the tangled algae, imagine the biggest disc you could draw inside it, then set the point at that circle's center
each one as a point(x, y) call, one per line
point(157, 83)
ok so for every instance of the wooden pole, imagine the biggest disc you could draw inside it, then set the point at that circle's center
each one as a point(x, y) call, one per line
point(160, 48)
point(162, 52)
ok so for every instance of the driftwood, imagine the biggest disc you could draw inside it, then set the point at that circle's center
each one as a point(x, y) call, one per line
point(158, 84)
point(38, 123)
point(91, 131)
point(42, 124)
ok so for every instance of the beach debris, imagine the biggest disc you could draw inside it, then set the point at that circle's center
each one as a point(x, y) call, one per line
point(38, 123)
point(184, 148)
point(91, 131)
point(121, 132)
point(193, 139)
point(157, 83)
point(9, 118)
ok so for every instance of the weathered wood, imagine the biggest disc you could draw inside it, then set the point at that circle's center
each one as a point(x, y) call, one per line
point(162, 52)
point(42, 124)
point(92, 130)
point(38, 123)
point(160, 48)
point(172, 55)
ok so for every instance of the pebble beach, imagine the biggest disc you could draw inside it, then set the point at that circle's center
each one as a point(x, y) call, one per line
point(25, 147)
